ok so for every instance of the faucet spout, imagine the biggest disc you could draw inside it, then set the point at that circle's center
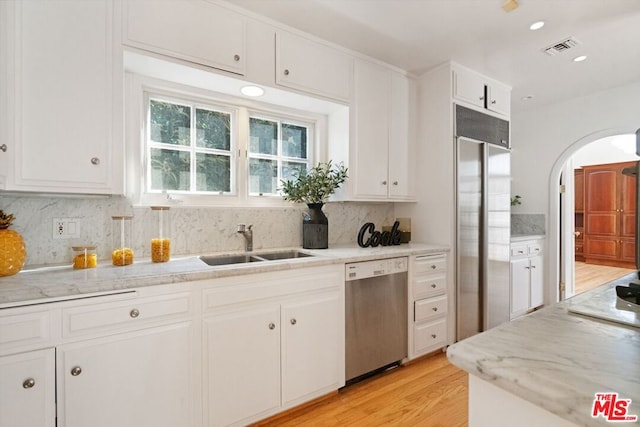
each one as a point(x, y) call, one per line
point(247, 232)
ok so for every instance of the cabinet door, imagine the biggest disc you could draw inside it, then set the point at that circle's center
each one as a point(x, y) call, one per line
point(241, 365)
point(601, 186)
point(578, 179)
point(312, 67)
point(536, 281)
point(193, 30)
point(627, 205)
point(312, 347)
point(499, 99)
point(27, 389)
point(469, 87)
point(65, 96)
point(398, 142)
point(372, 95)
point(519, 285)
point(602, 247)
point(141, 379)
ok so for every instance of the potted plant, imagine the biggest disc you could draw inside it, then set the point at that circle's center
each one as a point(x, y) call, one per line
point(314, 188)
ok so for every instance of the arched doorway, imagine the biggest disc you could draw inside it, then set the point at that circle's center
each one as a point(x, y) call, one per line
point(560, 246)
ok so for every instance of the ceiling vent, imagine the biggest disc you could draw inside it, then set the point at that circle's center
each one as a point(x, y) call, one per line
point(561, 46)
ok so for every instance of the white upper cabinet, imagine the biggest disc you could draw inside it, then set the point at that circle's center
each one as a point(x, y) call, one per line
point(380, 147)
point(479, 91)
point(195, 31)
point(312, 67)
point(61, 90)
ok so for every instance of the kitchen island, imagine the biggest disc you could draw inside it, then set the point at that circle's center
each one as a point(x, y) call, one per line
point(547, 367)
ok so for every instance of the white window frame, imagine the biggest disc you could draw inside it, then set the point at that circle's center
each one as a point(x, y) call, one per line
point(279, 157)
point(139, 89)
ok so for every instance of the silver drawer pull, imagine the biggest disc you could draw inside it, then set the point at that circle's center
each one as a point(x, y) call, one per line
point(433, 285)
point(435, 309)
point(76, 370)
point(294, 321)
point(433, 266)
point(95, 161)
point(3, 148)
point(272, 326)
point(236, 58)
point(134, 313)
point(28, 383)
point(434, 336)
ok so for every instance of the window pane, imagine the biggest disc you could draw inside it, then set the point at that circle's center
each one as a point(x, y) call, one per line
point(213, 172)
point(170, 123)
point(263, 136)
point(263, 176)
point(291, 170)
point(213, 129)
point(169, 169)
point(294, 141)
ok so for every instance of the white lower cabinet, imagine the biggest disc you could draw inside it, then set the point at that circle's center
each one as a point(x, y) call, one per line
point(129, 380)
point(527, 283)
point(428, 304)
point(27, 389)
point(262, 358)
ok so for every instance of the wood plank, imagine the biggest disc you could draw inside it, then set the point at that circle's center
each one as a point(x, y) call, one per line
point(589, 276)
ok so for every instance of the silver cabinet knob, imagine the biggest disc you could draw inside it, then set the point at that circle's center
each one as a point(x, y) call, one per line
point(95, 161)
point(433, 285)
point(28, 383)
point(134, 313)
point(76, 370)
point(481, 98)
point(435, 309)
point(395, 182)
point(493, 102)
point(433, 267)
point(384, 182)
point(434, 336)
point(272, 326)
point(286, 72)
point(294, 321)
point(236, 58)
point(3, 147)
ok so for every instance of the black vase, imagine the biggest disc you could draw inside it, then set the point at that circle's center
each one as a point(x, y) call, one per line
point(315, 228)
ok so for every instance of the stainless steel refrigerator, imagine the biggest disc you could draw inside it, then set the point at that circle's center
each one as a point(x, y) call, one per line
point(483, 221)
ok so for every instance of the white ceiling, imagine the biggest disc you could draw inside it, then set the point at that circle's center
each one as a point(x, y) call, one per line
point(417, 35)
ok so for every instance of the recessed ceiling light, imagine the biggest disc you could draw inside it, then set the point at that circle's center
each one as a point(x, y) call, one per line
point(580, 58)
point(536, 25)
point(527, 98)
point(252, 91)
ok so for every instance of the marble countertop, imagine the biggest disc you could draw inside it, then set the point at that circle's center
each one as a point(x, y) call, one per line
point(522, 237)
point(558, 360)
point(49, 284)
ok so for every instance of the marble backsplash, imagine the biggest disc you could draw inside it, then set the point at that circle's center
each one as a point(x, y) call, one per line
point(193, 230)
point(528, 224)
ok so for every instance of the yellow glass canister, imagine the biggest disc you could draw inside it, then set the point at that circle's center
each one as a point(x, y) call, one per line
point(122, 253)
point(84, 257)
point(160, 240)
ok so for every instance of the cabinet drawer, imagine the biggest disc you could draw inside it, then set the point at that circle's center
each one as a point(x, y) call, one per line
point(430, 263)
point(429, 285)
point(24, 330)
point(125, 315)
point(429, 308)
point(534, 248)
point(430, 336)
point(519, 250)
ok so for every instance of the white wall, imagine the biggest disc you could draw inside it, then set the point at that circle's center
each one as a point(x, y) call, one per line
point(615, 149)
point(545, 138)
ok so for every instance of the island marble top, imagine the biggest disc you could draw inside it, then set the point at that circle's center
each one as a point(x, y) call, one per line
point(58, 283)
point(558, 360)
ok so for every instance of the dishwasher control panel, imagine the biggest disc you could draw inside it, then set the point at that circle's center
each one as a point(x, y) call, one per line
point(379, 267)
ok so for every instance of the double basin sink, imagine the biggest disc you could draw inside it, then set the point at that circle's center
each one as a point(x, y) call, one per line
point(216, 260)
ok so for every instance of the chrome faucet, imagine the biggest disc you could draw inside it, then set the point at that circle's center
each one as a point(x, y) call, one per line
point(247, 232)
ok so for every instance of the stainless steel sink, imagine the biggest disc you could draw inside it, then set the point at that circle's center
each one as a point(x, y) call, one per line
point(215, 260)
point(272, 256)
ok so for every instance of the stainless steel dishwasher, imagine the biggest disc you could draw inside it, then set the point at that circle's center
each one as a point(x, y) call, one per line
point(376, 316)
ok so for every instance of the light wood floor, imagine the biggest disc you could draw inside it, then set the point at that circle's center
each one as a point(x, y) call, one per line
point(429, 392)
point(589, 276)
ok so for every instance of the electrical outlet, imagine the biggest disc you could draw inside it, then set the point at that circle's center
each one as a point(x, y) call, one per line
point(66, 228)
